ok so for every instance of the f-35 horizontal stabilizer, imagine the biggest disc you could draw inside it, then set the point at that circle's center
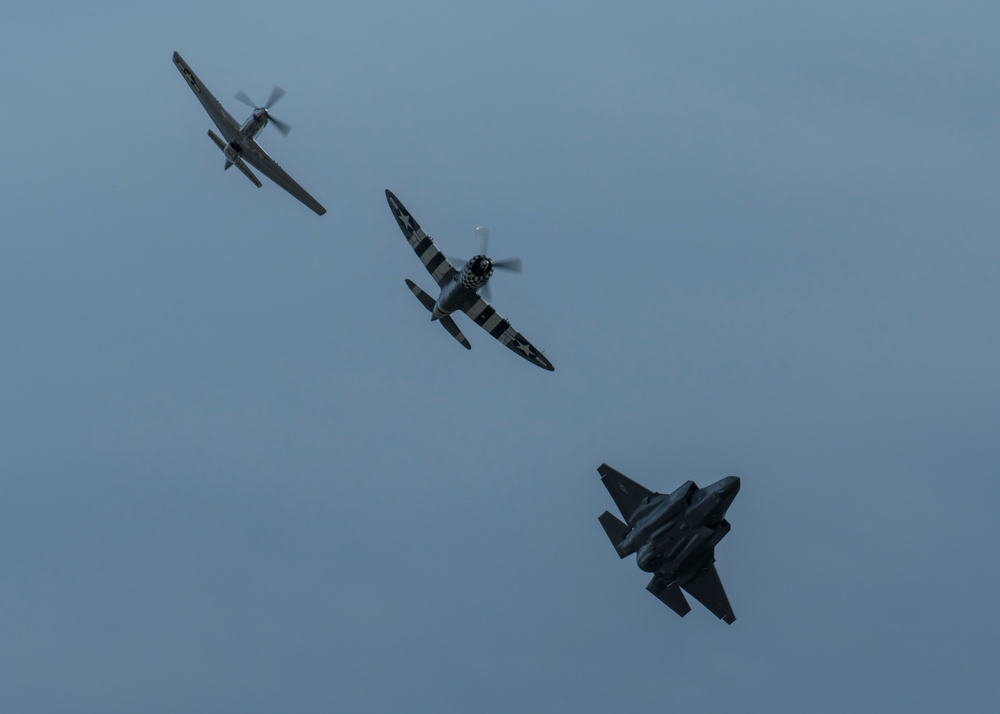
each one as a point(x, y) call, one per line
point(669, 594)
point(615, 529)
point(446, 321)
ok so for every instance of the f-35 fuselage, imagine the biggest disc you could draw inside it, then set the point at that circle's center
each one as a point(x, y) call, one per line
point(671, 531)
point(673, 536)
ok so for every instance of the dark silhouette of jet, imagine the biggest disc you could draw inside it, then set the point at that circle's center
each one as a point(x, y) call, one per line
point(674, 537)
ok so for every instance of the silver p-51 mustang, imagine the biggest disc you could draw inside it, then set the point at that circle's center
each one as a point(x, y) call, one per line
point(240, 145)
point(460, 290)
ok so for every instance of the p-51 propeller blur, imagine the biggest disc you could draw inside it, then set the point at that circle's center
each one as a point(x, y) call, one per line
point(460, 289)
point(240, 145)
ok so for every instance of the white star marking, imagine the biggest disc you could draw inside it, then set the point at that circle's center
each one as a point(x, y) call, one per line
point(524, 347)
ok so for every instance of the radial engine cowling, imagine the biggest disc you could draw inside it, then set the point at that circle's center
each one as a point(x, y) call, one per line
point(477, 272)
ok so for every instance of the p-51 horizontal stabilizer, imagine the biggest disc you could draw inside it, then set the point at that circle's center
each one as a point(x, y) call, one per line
point(615, 529)
point(669, 594)
point(446, 321)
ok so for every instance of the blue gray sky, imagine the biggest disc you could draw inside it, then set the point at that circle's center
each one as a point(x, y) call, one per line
point(242, 471)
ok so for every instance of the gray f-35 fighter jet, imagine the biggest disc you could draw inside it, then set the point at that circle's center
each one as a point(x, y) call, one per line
point(240, 145)
point(460, 290)
point(674, 537)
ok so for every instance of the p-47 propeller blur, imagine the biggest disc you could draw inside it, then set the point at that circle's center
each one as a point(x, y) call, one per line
point(673, 536)
point(460, 289)
point(240, 145)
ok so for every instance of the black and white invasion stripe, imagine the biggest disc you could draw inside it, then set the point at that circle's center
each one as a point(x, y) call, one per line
point(433, 259)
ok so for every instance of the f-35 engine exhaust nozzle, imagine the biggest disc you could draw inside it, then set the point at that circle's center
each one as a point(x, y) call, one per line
point(649, 558)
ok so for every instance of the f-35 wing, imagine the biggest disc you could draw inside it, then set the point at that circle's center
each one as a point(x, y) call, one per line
point(227, 125)
point(706, 588)
point(433, 259)
point(483, 314)
point(258, 158)
point(628, 494)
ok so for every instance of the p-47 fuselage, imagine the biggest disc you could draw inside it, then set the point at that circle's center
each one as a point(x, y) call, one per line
point(464, 287)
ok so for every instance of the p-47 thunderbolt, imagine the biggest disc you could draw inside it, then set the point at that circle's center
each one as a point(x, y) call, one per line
point(673, 536)
point(460, 289)
point(240, 145)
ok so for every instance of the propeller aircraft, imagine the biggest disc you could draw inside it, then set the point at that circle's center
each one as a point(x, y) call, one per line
point(460, 289)
point(240, 145)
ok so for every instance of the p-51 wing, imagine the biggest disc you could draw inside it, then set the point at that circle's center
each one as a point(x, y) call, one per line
point(227, 125)
point(258, 158)
point(433, 259)
point(483, 314)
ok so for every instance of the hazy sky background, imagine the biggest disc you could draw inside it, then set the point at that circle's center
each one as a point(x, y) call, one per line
point(242, 471)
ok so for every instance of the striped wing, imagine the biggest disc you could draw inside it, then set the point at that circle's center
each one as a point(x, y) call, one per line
point(483, 314)
point(433, 259)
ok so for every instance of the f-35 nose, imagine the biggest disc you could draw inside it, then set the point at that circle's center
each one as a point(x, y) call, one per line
point(728, 487)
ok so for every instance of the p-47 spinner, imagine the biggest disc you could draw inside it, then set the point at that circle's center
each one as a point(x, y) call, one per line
point(240, 145)
point(460, 290)
point(673, 536)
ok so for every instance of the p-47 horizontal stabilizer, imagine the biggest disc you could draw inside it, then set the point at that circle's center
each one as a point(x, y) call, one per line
point(615, 529)
point(446, 321)
point(669, 594)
